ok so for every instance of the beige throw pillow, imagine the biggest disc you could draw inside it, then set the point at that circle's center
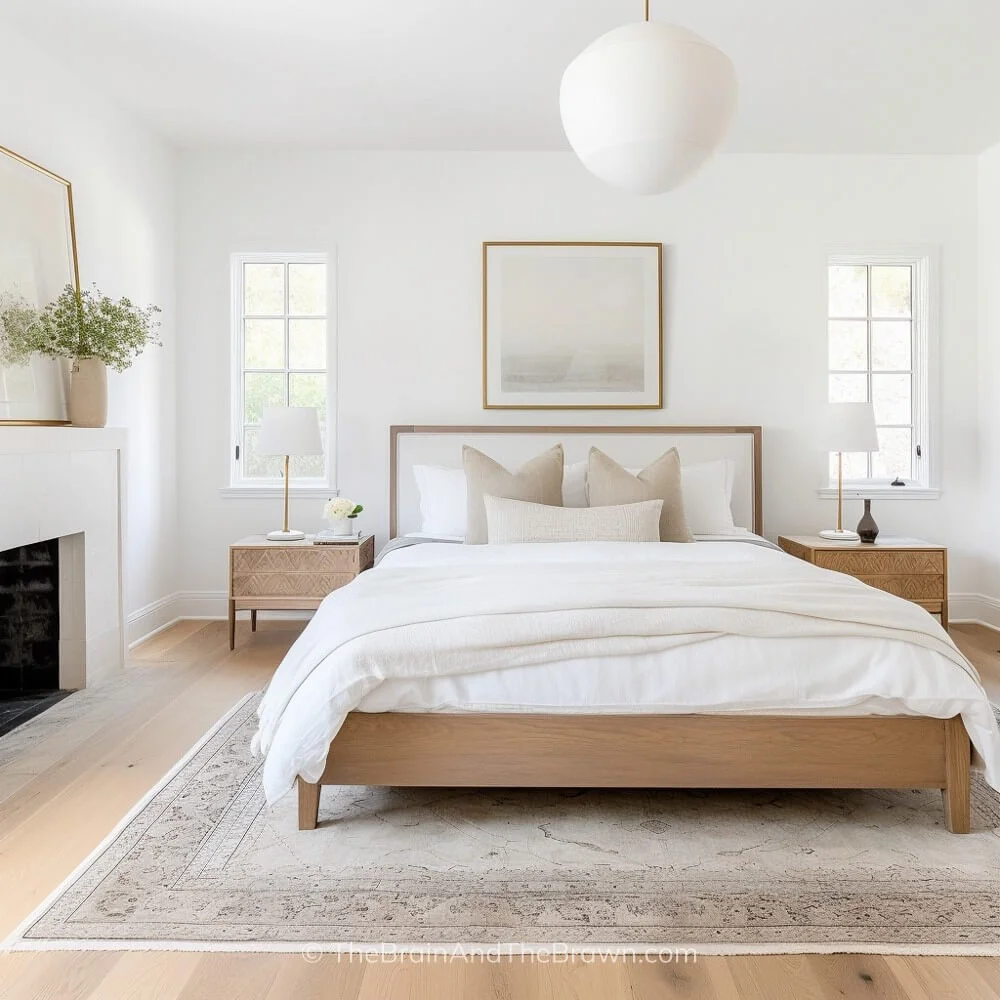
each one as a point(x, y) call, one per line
point(537, 481)
point(514, 521)
point(609, 484)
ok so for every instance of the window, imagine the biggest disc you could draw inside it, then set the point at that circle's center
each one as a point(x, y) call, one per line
point(282, 349)
point(878, 321)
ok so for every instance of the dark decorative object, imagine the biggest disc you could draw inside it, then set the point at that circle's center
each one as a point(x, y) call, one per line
point(867, 528)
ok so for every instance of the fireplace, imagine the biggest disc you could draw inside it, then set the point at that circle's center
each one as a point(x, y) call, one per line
point(29, 631)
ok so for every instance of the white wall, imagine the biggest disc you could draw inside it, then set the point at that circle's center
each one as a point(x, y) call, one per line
point(123, 190)
point(745, 323)
point(989, 373)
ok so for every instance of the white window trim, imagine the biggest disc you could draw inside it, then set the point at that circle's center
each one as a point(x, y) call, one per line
point(248, 489)
point(926, 262)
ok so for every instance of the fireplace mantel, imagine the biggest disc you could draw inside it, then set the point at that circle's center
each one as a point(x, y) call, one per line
point(66, 483)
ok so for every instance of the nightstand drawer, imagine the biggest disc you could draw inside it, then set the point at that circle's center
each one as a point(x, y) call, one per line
point(882, 562)
point(317, 559)
point(309, 585)
point(913, 588)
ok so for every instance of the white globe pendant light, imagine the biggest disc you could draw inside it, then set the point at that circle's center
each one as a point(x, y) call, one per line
point(645, 105)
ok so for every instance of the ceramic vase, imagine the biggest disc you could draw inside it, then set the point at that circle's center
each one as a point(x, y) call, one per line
point(867, 528)
point(88, 393)
point(342, 526)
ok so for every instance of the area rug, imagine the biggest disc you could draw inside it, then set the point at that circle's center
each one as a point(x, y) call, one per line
point(203, 863)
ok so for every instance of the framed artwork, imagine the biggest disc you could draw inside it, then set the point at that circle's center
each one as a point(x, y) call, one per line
point(572, 326)
point(38, 260)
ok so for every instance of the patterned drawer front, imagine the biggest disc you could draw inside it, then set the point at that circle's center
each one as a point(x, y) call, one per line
point(884, 563)
point(913, 588)
point(321, 559)
point(316, 585)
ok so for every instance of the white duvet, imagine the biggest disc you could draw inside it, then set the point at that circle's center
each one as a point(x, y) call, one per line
point(720, 627)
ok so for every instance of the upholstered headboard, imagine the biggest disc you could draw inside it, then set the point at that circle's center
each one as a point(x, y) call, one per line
point(411, 445)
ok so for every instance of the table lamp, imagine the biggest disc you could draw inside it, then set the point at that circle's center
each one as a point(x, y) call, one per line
point(849, 427)
point(287, 431)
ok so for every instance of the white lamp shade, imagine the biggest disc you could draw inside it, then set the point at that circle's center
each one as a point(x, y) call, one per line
point(645, 105)
point(850, 427)
point(290, 430)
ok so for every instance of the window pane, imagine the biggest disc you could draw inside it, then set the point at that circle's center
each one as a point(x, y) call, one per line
point(849, 346)
point(848, 291)
point(891, 291)
point(891, 396)
point(264, 289)
point(307, 289)
point(264, 343)
point(891, 346)
point(308, 466)
point(307, 343)
point(308, 390)
point(848, 388)
point(255, 465)
point(895, 454)
point(855, 465)
point(259, 392)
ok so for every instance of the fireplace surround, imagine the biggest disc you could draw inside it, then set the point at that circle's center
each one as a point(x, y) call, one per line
point(65, 484)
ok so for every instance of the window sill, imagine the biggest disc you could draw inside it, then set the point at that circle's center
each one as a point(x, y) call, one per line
point(272, 492)
point(882, 492)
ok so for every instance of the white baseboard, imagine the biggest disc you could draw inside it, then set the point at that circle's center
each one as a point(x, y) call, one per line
point(149, 620)
point(192, 605)
point(975, 608)
point(212, 605)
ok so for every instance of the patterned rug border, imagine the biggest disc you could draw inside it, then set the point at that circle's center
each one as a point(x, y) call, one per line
point(15, 940)
point(482, 951)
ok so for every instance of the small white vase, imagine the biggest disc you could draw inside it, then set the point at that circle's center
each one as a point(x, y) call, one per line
point(88, 393)
point(342, 526)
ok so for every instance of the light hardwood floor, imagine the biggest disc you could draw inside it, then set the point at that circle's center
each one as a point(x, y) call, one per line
point(58, 802)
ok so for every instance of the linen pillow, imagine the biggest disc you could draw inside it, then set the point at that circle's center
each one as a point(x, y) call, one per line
point(609, 484)
point(443, 501)
point(538, 481)
point(514, 521)
point(708, 493)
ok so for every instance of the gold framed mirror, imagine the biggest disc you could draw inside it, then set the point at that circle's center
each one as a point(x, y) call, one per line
point(38, 259)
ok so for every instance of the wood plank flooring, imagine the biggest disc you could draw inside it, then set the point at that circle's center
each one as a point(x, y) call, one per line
point(59, 801)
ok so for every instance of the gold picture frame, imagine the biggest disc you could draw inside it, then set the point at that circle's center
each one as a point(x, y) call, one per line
point(572, 325)
point(54, 263)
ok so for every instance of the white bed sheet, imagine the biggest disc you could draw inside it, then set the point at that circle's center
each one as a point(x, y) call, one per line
point(738, 668)
point(834, 675)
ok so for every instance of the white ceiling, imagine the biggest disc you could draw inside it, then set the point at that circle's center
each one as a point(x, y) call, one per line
point(850, 76)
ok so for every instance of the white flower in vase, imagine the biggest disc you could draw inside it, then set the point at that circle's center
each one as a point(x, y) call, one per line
point(341, 513)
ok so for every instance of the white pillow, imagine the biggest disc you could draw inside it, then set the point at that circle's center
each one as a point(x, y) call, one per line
point(516, 521)
point(708, 494)
point(443, 508)
point(442, 500)
point(574, 487)
point(707, 489)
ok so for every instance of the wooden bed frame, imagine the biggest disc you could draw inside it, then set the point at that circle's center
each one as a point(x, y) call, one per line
point(643, 751)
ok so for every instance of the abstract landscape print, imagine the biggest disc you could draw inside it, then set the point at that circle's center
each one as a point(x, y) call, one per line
point(572, 325)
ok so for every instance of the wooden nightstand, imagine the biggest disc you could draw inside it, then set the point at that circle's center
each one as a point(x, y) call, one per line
point(905, 567)
point(290, 576)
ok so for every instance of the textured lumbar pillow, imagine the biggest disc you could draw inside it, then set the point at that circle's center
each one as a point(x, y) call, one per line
point(513, 521)
point(609, 484)
point(537, 481)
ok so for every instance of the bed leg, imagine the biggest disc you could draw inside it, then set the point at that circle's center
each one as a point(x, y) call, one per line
point(308, 805)
point(957, 757)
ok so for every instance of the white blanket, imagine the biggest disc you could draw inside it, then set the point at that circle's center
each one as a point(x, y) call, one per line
point(525, 610)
